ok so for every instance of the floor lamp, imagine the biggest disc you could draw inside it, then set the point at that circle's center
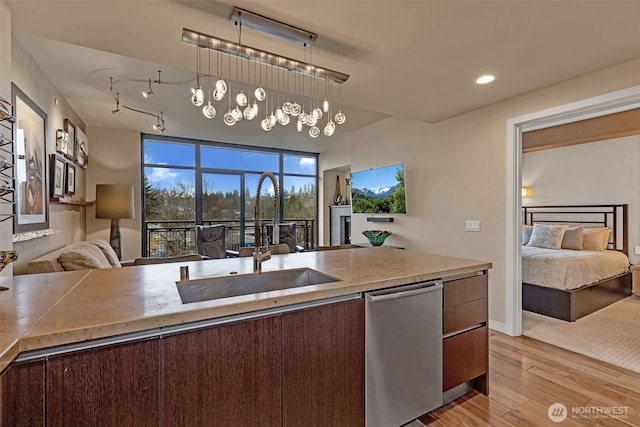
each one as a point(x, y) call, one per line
point(114, 202)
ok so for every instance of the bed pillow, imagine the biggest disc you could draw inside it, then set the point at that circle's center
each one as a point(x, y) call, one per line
point(573, 238)
point(596, 239)
point(526, 233)
point(547, 236)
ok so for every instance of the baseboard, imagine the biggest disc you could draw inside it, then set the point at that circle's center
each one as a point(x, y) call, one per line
point(499, 327)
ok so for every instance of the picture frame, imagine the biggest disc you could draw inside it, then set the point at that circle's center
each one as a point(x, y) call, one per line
point(58, 175)
point(31, 209)
point(70, 179)
point(70, 128)
point(82, 149)
point(62, 142)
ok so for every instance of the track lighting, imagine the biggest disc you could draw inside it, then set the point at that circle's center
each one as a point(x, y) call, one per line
point(117, 109)
point(148, 93)
point(159, 126)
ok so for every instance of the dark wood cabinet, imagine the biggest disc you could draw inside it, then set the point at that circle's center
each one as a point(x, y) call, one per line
point(22, 395)
point(114, 385)
point(224, 375)
point(323, 365)
point(465, 347)
point(299, 368)
point(464, 357)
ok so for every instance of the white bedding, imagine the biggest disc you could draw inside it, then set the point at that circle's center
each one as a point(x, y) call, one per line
point(570, 269)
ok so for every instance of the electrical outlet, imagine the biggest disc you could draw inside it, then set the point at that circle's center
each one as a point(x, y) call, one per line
point(472, 225)
point(637, 251)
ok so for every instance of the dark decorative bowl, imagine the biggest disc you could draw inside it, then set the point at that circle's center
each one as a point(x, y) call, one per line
point(376, 237)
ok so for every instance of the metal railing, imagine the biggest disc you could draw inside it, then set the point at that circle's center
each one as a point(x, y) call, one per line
point(178, 237)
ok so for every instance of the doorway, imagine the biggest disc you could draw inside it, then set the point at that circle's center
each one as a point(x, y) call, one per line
point(610, 103)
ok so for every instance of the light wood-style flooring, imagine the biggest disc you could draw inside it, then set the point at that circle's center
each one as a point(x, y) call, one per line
point(527, 376)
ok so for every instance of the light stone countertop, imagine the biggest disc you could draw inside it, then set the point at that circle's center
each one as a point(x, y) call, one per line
point(51, 309)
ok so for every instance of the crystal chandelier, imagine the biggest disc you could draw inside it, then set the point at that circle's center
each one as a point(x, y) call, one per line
point(246, 95)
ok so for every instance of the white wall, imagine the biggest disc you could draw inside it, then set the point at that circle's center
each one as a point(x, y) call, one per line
point(114, 158)
point(67, 220)
point(603, 172)
point(456, 170)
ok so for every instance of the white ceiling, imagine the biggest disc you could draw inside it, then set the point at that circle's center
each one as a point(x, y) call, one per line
point(416, 60)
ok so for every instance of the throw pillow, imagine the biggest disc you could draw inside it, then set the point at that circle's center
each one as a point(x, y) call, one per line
point(108, 252)
point(83, 257)
point(526, 233)
point(547, 236)
point(596, 239)
point(573, 238)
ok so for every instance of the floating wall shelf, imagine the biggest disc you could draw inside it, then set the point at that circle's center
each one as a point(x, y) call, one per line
point(379, 219)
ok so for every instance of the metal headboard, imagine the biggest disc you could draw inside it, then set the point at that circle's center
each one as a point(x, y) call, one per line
point(612, 216)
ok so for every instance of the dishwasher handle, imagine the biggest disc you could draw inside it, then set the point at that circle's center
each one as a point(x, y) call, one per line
point(414, 290)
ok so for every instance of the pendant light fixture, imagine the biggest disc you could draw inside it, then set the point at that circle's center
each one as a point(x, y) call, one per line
point(278, 71)
point(197, 97)
point(209, 110)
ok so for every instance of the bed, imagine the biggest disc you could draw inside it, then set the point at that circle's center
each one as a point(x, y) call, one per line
point(570, 283)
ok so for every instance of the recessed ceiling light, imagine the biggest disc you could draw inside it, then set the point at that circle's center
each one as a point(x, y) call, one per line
point(487, 78)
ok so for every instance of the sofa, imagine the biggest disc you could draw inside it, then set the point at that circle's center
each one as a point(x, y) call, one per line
point(89, 255)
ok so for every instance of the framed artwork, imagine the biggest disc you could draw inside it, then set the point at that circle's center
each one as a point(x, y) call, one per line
point(58, 175)
point(31, 207)
point(71, 178)
point(70, 128)
point(82, 149)
point(62, 142)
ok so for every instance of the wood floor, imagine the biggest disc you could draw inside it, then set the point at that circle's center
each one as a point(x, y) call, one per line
point(527, 376)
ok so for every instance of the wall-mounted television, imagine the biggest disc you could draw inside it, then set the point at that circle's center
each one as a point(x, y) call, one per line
point(379, 190)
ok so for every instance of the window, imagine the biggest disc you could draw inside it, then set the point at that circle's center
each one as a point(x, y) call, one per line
point(188, 182)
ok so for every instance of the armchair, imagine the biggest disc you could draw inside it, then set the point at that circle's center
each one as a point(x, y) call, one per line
point(210, 241)
point(287, 235)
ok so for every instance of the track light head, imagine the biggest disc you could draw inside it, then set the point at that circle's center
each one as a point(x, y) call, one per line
point(159, 126)
point(148, 93)
point(117, 98)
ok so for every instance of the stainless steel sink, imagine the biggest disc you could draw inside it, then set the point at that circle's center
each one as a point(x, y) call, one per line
point(245, 284)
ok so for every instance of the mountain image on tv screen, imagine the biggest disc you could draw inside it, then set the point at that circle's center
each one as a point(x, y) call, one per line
point(379, 190)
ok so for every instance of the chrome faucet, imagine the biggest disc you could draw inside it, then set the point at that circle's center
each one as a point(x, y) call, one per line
point(258, 256)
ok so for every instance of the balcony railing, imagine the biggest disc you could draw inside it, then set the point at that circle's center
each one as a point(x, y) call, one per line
point(176, 237)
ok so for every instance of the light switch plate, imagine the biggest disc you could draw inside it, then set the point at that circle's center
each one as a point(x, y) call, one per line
point(472, 225)
point(637, 251)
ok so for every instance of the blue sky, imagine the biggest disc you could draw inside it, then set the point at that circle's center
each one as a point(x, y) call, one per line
point(176, 154)
point(375, 178)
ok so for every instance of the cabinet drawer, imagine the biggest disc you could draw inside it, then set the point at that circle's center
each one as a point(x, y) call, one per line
point(464, 316)
point(464, 290)
point(464, 357)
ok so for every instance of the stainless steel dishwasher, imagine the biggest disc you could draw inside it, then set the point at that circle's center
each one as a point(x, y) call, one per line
point(403, 359)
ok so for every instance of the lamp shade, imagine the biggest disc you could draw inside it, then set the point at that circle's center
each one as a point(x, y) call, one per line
point(114, 201)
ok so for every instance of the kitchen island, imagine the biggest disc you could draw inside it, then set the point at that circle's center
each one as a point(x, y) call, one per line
point(138, 310)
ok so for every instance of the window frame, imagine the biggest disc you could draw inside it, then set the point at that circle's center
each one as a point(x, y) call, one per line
point(199, 170)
